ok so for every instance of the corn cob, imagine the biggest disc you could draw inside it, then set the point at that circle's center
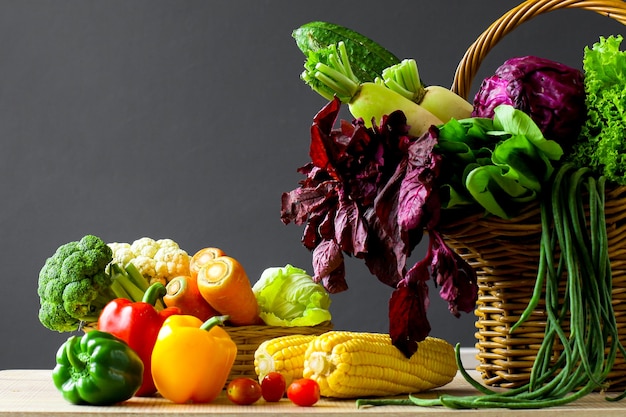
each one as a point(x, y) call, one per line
point(284, 354)
point(355, 364)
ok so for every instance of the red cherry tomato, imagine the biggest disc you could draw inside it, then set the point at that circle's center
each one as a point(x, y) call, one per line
point(273, 386)
point(243, 391)
point(304, 392)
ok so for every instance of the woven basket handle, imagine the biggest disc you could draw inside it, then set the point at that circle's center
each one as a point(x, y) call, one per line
point(467, 68)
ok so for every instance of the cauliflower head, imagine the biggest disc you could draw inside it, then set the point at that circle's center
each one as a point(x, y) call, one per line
point(157, 260)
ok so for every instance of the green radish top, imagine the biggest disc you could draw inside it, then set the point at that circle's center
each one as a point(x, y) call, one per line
point(404, 79)
point(369, 58)
point(329, 73)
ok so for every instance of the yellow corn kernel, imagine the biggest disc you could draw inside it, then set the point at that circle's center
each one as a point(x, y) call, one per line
point(356, 364)
point(284, 354)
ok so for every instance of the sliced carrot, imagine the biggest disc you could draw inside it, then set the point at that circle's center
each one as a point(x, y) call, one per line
point(201, 257)
point(182, 292)
point(224, 284)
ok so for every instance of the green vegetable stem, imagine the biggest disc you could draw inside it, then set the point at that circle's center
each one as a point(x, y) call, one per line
point(445, 104)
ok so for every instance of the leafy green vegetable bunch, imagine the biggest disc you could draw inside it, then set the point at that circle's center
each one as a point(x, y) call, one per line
point(499, 163)
point(601, 144)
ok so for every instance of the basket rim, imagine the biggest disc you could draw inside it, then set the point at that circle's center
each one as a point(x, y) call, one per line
point(478, 50)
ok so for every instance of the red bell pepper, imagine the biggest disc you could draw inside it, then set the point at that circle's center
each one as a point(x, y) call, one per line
point(138, 324)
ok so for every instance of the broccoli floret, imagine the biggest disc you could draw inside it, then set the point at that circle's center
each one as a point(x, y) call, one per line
point(74, 285)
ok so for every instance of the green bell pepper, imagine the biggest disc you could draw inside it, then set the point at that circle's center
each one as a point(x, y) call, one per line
point(97, 368)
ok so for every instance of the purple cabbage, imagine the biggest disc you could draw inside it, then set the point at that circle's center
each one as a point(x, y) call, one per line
point(551, 93)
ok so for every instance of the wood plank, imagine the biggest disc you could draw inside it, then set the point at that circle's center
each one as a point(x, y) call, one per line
point(31, 392)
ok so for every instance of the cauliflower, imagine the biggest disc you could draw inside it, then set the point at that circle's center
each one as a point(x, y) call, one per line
point(157, 260)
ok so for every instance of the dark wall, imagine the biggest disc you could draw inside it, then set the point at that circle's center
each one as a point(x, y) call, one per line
point(187, 120)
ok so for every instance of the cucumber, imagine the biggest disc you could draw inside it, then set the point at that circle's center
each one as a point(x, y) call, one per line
point(368, 58)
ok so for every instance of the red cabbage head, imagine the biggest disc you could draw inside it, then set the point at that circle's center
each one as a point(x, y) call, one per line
point(551, 93)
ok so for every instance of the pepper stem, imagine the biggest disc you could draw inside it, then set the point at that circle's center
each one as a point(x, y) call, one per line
point(74, 359)
point(214, 321)
point(153, 293)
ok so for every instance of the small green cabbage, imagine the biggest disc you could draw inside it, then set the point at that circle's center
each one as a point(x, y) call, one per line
point(289, 297)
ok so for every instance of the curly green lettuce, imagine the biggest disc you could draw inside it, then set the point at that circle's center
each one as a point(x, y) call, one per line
point(602, 144)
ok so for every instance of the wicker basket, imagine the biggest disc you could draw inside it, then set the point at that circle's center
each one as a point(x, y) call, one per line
point(248, 339)
point(505, 253)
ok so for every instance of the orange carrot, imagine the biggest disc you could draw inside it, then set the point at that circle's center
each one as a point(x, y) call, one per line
point(201, 257)
point(224, 284)
point(182, 292)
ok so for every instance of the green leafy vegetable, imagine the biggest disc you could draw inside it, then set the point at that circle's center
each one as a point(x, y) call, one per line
point(601, 144)
point(516, 122)
point(289, 297)
point(497, 192)
point(500, 163)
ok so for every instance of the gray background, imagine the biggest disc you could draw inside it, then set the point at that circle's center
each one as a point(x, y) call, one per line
point(187, 120)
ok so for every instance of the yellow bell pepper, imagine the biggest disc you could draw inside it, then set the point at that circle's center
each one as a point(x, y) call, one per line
point(191, 360)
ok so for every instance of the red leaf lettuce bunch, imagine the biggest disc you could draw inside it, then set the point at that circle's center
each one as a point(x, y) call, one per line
point(372, 193)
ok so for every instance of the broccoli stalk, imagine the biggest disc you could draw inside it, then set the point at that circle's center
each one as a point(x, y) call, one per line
point(130, 284)
point(125, 283)
point(79, 279)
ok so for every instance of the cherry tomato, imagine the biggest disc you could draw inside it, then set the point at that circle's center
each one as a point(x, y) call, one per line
point(273, 386)
point(304, 392)
point(243, 391)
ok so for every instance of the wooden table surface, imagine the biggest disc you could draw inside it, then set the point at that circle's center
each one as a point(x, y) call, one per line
point(31, 392)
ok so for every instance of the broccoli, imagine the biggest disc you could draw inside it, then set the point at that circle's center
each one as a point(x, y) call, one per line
point(78, 280)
